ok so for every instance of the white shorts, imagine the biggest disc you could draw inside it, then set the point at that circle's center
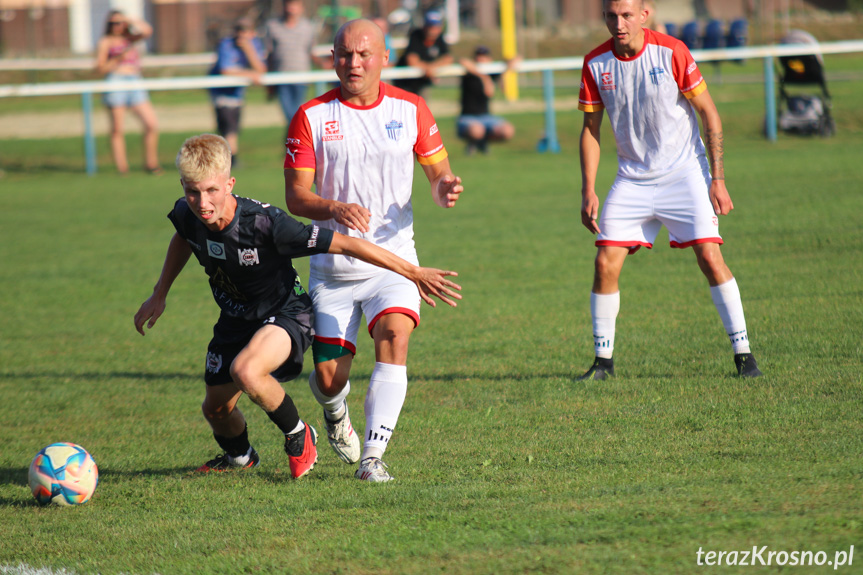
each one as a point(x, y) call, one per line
point(634, 212)
point(339, 305)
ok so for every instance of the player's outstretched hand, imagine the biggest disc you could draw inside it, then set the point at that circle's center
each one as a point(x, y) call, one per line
point(354, 216)
point(589, 211)
point(434, 282)
point(720, 198)
point(151, 310)
point(449, 189)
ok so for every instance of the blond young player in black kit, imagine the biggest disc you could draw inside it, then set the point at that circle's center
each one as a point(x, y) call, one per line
point(264, 327)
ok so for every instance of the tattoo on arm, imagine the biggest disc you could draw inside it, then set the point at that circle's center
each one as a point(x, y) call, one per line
point(716, 149)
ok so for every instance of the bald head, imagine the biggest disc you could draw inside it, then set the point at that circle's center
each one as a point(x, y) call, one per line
point(356, 29)
point(359, 55)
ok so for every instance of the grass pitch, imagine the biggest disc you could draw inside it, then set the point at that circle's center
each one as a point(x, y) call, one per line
point(504, 463)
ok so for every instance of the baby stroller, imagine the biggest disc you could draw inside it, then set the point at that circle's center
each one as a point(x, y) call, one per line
point(804, 114)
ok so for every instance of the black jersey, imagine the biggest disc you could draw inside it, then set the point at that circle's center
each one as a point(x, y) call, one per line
point(249, 262)
point(474, 101)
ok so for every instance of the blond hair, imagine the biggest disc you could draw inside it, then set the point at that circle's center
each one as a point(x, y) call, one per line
point(204, 156)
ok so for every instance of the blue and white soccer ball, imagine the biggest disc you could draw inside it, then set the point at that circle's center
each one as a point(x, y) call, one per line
point(64, 474)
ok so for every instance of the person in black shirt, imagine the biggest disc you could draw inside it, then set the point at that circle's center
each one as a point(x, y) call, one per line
point(476, 124)
point(264, 328)
point(426, 50)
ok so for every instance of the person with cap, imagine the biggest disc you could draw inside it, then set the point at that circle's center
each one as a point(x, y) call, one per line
point(243, 55)
point(426, 50)
point(476, 124)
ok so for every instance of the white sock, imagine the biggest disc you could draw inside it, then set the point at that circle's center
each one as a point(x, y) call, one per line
point(300, 426)
point(334, 406)
point(603, 310)
point(726, 298)
point(242, 460)
point(384, 400)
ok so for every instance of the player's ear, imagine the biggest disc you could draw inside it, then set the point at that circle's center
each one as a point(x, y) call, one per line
point(386, 57)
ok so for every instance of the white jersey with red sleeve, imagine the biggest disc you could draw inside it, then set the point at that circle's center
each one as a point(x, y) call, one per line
point(646, 97)
point(365, 155)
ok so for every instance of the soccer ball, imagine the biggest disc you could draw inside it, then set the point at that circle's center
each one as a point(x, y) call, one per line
point(63, 473)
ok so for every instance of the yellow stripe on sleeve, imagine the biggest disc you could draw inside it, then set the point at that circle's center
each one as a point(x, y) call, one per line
point(696, 90)
point(433, 159)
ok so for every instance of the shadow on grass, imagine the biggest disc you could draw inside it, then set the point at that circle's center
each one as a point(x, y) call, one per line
point(95, 375)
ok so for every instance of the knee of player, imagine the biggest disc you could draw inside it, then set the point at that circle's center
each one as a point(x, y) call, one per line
point(215, 412)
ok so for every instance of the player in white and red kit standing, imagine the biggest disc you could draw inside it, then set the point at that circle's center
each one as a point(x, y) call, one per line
point(356, 144)
point(653, 93)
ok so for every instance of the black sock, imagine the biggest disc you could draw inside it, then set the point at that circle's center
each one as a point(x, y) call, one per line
point(285, 416)
point(235, 446)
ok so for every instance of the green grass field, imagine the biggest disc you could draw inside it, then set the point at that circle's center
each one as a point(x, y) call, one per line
point(504, 463)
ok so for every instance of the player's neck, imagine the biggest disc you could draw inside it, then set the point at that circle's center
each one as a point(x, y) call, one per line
point(367, 98)
point(632, 48)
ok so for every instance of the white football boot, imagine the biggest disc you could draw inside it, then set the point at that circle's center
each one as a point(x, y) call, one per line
point(374, 470)
point(343, 439)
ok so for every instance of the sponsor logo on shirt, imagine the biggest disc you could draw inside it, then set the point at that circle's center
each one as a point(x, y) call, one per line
point(214, 362)
point(691, 68)
point(313, 239)
point(715, 221)
point(433, 130)
point(394, 129)
point(293, 154)
point(331, 131)
point(657, 76)
point(292, 141)
point(607, 82)
point(248, 256)
point(216, 250)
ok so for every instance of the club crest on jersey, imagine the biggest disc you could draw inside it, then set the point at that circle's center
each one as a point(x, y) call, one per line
point(394, 129)
point(607, 82)
point(216, 250)
point(248, 256)
point(331, 131)
point(657, 76)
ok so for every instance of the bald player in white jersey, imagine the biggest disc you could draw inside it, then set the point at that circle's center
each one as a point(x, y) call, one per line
point(653, 93)
point(357, 145)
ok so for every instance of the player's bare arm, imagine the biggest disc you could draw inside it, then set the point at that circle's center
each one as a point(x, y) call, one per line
point(429, 281)
point(303, 202)
point(178, 255)
point(446, 187)
point(712, 125)
point(589, 151)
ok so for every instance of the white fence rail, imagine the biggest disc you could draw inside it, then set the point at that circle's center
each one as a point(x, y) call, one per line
point(546, 66)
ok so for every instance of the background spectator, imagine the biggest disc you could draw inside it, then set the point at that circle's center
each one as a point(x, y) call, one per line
point(476, 124)
point(289, 43)
point(241, 54)
point(118, 59)
point(426, 50)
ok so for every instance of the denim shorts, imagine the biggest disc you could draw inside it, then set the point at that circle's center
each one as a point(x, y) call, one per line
point(124, 99)
point(489, 121)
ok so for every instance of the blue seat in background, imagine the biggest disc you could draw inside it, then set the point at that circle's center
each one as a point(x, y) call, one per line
point(738, 34)
point(689, 35)
point(713, 36)
point(671, 29)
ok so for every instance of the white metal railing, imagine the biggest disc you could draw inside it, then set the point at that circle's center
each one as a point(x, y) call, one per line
point(546, 66)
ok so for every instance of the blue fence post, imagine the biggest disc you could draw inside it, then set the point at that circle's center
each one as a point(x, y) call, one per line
point(89, 139)
point(769, 99)
point(549, 143)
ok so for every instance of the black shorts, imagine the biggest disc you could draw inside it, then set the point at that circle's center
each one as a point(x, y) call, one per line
point(230, 336)
point(228, 120)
